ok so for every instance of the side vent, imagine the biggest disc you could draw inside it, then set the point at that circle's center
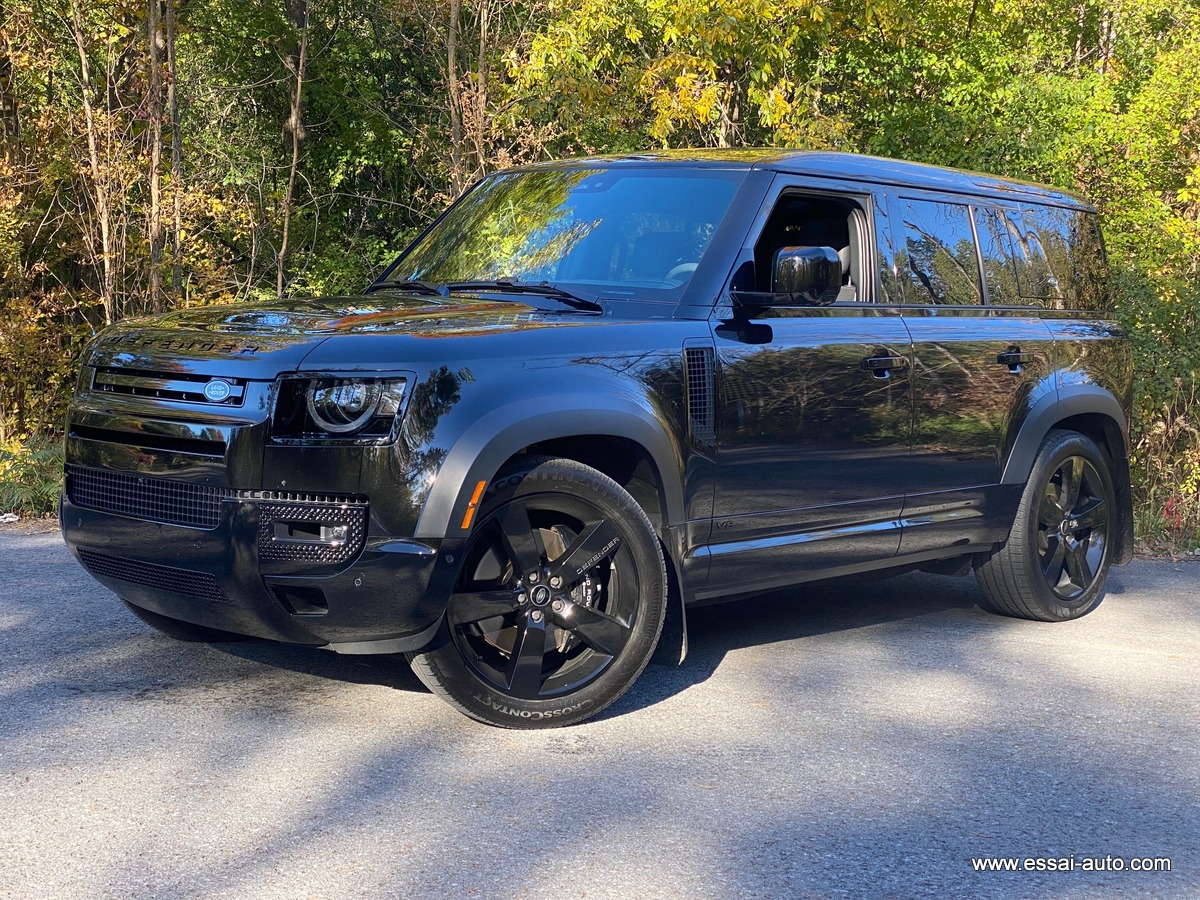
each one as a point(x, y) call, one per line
point(701, 402)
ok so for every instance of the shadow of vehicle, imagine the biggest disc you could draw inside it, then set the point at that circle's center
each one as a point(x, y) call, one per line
point(713, 631)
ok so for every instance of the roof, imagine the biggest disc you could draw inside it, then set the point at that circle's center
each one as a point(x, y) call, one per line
point(843, 166)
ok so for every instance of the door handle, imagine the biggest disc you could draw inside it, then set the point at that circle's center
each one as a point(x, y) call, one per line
point(881, 366)
point(1014, 359)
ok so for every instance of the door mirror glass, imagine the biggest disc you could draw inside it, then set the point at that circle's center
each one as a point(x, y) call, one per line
point(811, 276)
point(800, 276)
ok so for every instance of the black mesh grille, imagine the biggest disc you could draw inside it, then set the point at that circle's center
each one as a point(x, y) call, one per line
point(700, 401)
point(153, 499)
point(352, 515)
point(163, 578)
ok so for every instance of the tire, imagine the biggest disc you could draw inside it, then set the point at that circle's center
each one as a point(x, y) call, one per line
point(559, 603)
point(1054, 564)
point(180, 630)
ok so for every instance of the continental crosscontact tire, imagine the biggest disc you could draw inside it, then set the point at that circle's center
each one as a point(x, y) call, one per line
point(559, 604)
point(1056, 559)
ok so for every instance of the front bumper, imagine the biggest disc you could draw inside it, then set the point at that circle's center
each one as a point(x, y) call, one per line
point(295, 568)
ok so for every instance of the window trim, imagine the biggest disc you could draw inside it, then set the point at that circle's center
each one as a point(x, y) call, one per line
point(861, 197)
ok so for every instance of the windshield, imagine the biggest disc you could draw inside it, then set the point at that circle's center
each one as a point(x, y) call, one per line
point(613, 233)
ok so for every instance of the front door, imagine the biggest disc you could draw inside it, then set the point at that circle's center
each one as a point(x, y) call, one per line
point(814, 415)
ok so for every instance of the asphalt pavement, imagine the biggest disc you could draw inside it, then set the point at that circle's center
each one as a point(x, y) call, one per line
point(853, 739)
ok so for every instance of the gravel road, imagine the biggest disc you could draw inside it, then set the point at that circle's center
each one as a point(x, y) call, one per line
point(848, 740)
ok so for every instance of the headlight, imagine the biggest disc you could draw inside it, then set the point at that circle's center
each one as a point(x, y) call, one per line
point(334, 408)
point(343, 405)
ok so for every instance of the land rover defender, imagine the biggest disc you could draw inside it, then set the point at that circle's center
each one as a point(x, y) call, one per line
point(596, 392)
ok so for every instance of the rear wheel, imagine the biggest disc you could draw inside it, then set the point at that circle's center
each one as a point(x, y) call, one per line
point(559, 603)
point(180, 630)
point(1056, 560)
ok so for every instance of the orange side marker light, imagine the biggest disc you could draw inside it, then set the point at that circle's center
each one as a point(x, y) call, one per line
point(466, 522)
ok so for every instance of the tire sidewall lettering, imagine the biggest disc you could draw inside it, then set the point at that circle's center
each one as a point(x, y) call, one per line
point(506, 707)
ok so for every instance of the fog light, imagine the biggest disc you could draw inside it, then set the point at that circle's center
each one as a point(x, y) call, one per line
point(312, 533)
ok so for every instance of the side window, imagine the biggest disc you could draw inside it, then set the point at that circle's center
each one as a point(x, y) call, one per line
point(1091, 264)
point(939, 253)
point(801, 220)
point(1040, 255)
point(892, 278)
point(1060, 257)
point(995, 248)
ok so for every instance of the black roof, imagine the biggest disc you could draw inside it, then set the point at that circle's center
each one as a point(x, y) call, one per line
point(845, 167)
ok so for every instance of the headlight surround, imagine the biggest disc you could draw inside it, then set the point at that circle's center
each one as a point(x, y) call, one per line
point(338, 408)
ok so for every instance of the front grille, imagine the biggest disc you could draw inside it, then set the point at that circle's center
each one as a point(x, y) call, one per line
point(163, 578)
point(199, 506)
point(179, 386)
point(144, 440)
point(152, 499)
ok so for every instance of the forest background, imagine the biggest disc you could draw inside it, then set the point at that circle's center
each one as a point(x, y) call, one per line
point(165, 153)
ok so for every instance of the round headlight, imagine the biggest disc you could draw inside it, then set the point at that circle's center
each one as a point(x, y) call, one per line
point(343, 405)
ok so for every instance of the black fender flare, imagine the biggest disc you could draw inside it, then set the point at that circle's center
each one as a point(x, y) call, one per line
point(1075, 400)
point(489, 441)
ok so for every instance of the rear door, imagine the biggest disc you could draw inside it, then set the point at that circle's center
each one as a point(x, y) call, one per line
point(981, 361)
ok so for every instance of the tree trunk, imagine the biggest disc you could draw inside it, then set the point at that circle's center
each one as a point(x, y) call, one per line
point(8, 92)
point(176, 159)
point(99, 184)
point(455, 99)
point(1108, 40)
point(295, 126)
point(481, 89)
point(154, 109)
point(1080, 24)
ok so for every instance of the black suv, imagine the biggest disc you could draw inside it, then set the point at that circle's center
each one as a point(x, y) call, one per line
point(596, 392)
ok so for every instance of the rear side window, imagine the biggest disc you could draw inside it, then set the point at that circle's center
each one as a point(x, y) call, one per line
point(1059, 256)
point(938, 253)
point(995, 249)
point(1035, 243)
point(1091, 287)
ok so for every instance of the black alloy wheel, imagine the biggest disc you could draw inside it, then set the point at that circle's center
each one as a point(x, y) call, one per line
point(1055, 562)
point(559, 602)
point(1073, 528)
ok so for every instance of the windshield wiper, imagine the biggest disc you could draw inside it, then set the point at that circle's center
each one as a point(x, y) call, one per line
point(540, 288)
point(416, 287)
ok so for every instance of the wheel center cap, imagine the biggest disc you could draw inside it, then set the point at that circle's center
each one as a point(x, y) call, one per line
point(540, 595)
point(1068, 526)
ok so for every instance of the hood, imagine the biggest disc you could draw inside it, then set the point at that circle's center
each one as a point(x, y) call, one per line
point(278, 336)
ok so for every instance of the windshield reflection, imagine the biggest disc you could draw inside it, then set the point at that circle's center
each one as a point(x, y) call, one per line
point(601, 232)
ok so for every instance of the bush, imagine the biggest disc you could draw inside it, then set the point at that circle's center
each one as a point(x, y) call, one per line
point(1166, 471)
point(31, 476)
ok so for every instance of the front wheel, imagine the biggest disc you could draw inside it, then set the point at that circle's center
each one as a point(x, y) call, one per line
point(1056, 559)
point(559, 603)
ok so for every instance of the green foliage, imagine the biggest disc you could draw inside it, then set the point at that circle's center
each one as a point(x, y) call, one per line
point(1095, 95)
point(31, 476)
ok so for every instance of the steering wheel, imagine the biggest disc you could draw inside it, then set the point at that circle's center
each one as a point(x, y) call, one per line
point(682, 269)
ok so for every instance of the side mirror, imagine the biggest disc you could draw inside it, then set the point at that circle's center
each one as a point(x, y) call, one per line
point(811, 275)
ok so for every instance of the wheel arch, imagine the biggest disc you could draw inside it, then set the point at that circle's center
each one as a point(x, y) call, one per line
point(619, 438)
point(1094, 412)
point(613, 435)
